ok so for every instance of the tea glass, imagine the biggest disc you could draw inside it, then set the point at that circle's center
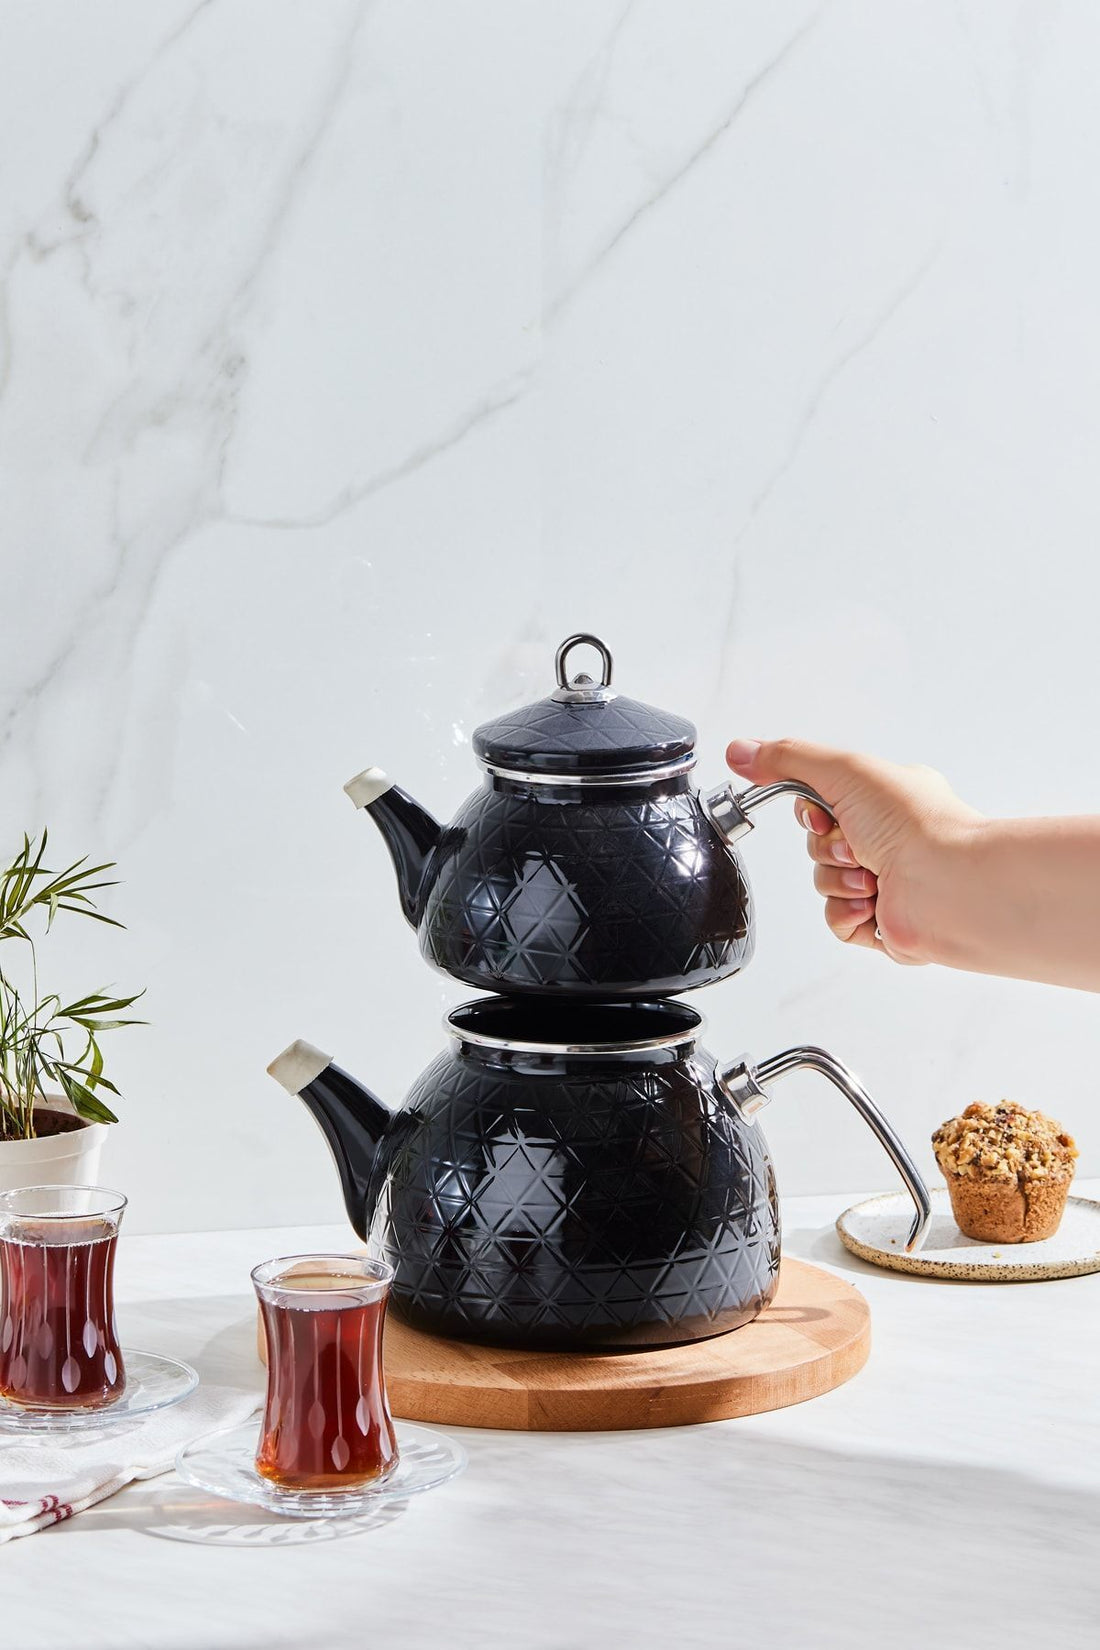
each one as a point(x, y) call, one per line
point(327, 1425)
point(58, 1339)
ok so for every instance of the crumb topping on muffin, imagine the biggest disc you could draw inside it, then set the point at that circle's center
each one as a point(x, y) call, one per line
point(1005, 1142)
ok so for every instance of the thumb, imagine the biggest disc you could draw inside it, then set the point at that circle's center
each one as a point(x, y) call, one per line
point(828, 772)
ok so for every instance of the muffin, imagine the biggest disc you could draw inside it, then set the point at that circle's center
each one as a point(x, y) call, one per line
point(1008, 1171)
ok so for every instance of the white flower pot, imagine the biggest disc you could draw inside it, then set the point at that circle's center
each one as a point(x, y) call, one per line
point(70, 1159)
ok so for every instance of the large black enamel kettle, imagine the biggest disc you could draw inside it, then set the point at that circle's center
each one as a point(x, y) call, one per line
point(572, 1175)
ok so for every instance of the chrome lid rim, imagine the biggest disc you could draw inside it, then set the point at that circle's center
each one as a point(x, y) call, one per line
point(602, 778)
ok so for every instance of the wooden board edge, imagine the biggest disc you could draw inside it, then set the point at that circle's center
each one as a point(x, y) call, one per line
point(630, 1410)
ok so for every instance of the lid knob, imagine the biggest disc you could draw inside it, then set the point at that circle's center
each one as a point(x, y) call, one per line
point(582, 686)
point(585, 732)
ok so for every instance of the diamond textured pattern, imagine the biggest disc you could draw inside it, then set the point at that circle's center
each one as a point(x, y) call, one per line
point(576, 1203)
point(556, 737)
point(586, 897)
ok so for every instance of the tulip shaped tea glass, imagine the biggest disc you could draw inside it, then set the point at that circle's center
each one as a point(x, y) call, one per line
point(58, 1341)
point(327, 1424)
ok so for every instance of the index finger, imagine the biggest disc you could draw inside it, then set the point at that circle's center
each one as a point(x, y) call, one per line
point(812, 818)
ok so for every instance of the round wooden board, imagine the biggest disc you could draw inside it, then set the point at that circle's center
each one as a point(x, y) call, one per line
point(815, 1335)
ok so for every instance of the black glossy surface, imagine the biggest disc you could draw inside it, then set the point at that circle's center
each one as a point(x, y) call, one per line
point(555, 737)
point(542, 1022)
point(354, 1122)
point(577, 893)
point(411, 834)
point(551, 1200)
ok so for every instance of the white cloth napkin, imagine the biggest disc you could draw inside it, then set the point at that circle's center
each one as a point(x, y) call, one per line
point(49, 1477)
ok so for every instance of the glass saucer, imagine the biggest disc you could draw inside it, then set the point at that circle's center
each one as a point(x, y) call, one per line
point(225, 1465)
point(178, 1512)
point(152, 1382)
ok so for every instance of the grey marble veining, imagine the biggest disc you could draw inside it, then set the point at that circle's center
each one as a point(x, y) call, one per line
point(352, 356)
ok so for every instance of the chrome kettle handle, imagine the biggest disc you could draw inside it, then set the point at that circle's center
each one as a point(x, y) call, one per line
point(744, 1083)
point(729, 812)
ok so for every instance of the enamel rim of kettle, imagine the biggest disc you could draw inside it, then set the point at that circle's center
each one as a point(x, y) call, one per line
point(688, 1024)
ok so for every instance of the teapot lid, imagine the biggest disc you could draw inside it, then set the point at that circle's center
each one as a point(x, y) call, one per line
point(585, 733)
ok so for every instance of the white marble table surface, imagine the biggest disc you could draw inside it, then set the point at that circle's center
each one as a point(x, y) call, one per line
point(949, 1495)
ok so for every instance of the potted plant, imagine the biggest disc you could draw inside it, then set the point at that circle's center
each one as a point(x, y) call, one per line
point(53, 1119)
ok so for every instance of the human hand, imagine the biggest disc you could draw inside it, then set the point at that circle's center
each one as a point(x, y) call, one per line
point(884, 866)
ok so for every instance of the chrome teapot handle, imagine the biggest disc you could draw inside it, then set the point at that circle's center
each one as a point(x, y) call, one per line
point(745, 1083)
point(729, 811)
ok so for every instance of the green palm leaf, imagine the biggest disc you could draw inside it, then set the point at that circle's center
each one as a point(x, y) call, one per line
point(38, 1032)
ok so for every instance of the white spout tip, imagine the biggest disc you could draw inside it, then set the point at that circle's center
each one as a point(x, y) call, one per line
point(297, 1066)
point(368, 786)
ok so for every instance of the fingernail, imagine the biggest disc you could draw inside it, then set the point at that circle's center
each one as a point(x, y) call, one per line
point(817, 822)
point(741, 753)
point(843, 854)
point(860, 907)
point(856, 879)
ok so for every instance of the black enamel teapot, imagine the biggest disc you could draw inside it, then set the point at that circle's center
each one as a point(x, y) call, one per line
point(587, 865)
point(572, 1175)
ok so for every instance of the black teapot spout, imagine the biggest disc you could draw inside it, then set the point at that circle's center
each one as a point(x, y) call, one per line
point(352, 1120)
point(410, 832)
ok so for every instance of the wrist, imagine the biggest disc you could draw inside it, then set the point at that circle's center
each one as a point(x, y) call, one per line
point(949, 879)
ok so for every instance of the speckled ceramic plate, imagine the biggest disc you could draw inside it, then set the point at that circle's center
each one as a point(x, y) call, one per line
point(876, 1230)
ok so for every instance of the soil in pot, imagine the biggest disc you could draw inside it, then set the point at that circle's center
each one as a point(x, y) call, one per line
point(48, 1122)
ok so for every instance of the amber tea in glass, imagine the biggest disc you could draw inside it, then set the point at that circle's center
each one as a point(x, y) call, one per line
point(58, 1341)
point(327, 1423)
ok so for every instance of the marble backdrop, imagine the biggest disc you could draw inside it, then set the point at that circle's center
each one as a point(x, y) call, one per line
point(353, 354)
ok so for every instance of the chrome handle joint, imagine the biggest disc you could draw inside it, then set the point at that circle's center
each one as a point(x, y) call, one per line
point(731, 812)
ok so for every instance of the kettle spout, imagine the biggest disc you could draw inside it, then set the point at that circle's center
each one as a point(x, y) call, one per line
point(410, 833)
point(352, 1120)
